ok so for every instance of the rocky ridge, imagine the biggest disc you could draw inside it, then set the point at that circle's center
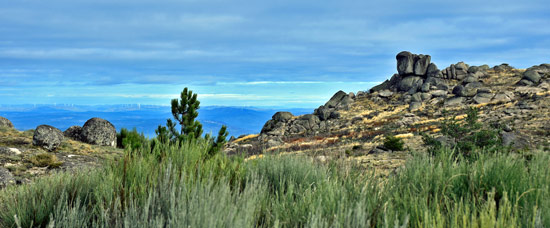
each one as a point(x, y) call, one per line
point(352, 125)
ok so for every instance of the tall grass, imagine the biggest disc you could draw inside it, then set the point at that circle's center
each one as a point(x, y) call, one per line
point(181, 186)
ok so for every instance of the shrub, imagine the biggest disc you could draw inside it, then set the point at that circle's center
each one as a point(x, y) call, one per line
point(393, 143)
point(46, 160)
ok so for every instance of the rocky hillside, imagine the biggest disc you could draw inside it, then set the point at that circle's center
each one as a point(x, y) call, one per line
point(34, 153)
point(353, 126)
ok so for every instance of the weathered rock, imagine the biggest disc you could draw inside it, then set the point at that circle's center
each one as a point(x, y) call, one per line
point(385, 93)
point(322, 112)
point(5, 122)
point(514, 140)
point(6, 178)
point(532, 76)
point(446, 141)
point(425, 96)
point(455, 101)
point(405, 63)
point(483, 98)
point(525, 82)
point(474, 85)
point(308, 121)
point(421, 64)
point(98, 131)
point(462, 91)
point(432, 70)
point(415, 105)
point(470, 78)
point(337, 98)
point(502, 98)
point(47, 137)
point(425, 87)
point(439, 93)
point(410, 83)
point(473, 69)
point(282, 116)
point(460, 70)
point(73, 132)
point(416, 97)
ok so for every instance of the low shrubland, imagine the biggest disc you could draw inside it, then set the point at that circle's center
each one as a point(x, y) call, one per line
point(178, 180)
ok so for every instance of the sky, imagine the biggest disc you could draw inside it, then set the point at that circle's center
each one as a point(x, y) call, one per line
point(277, 53)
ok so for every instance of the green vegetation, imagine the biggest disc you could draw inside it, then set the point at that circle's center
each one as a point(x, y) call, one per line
point(46, 160)
point(466, 136)
point(165, 184)
point(393, 143)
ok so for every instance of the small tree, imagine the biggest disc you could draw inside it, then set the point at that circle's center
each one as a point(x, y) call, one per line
point(184, 111)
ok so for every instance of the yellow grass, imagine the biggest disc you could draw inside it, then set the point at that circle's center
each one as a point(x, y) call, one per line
point(246, 137)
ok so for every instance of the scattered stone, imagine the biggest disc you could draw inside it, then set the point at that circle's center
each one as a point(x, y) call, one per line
point(439, 93)
point(5, 122)
point(501, 98)
point(6, 178)
point(340, 98)
point(455, 101)
point(503, 67)
point(483, 98)
point(514, 140)
point(463, 91)
point(532, 76)
point(470, 78)
point(73, 132)
point(9, 151)
point(414, 105)
point(98, 131)
point(47, 137)
point(425, 96)
point(433, 71)
point(416, 97)
point(385, 93)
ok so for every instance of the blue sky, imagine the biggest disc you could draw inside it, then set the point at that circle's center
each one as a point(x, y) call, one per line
point(250, 53)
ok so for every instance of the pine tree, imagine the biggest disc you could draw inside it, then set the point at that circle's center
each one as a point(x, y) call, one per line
point(184, 111)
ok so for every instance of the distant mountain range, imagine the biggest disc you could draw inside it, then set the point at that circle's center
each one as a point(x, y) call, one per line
point(145, 118)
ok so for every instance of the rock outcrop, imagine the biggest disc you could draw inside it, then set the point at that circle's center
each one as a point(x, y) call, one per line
point(98, 131)
point(5, 122)
point(410, 102)
point(47, 137)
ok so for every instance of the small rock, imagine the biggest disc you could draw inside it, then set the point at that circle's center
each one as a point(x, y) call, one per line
point(483, 98)
point(282, 116)
point(439, 93)
point(47, 137)
point(385, 93)
point(425, 96)
point(6, 178)
point(470, 78)
point(454, 101)
point(415, 106)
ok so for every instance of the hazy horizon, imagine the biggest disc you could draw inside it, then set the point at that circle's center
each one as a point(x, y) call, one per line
point(247, 53)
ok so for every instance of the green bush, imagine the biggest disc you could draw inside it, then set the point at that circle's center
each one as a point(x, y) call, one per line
point(393, 143)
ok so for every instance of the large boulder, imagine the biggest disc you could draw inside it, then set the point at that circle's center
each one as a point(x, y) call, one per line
point(339, 98)
point(532, 76)
point(432, 70)
point(405, 63)
point(282, 116)
point(98, 131)
point(47, 137)
point(410, 83)
point(5, 122)
point(73, 132)
point(421, 64)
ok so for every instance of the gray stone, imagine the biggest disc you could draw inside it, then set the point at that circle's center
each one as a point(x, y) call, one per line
point(385, 93)
point(421, 64)
point(5, 122)
point(432, 70)
point(425, 96)
point(514, 140)
point(483, 98)
point(470, 78)
point(462, 91)
point(475, 85)
point(484, 67)
point(473, 69)
point(416, 97)
point(455, 101)
point(322, 112)
point(47, 137)
point(525, 82)
point(502, 67)
point(439, 93)
point(414, 105)
point(405, 63)
point(410, 83)
point(73, 132)
point(98, 131)
point(446, 141)
point(282, 116)
point(6, 178)
point(532, 76)
point(425, 87)
point(336, 99)
point(501, 98)
point(484, 90)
